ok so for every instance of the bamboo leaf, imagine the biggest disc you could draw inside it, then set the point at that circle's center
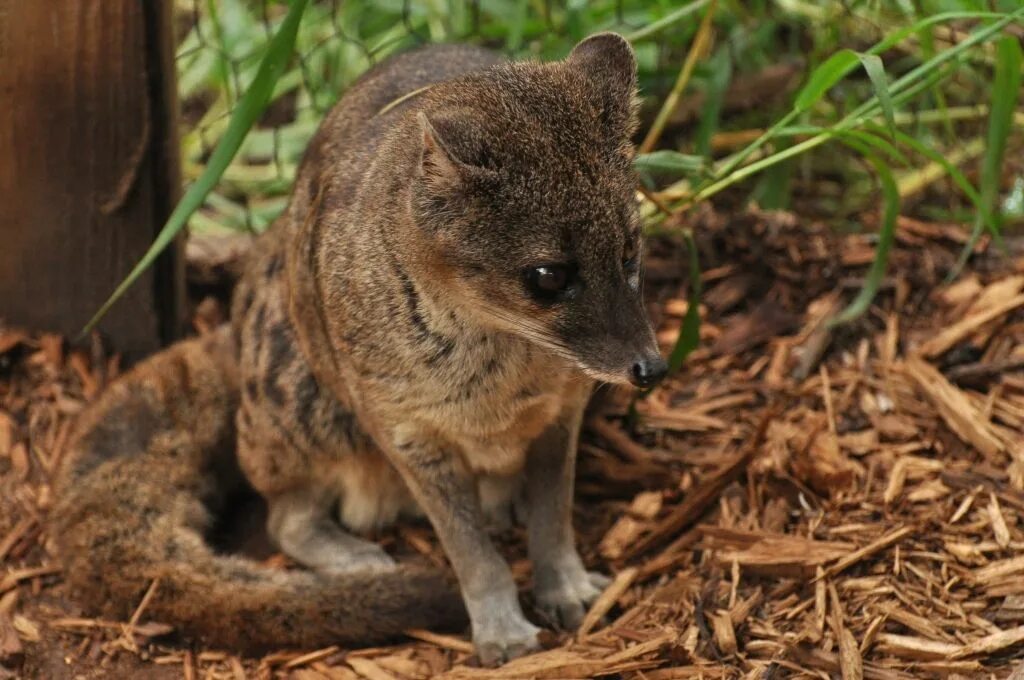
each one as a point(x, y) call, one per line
point(244, 116)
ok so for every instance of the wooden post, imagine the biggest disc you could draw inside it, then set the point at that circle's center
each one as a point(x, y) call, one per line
point(88, 166)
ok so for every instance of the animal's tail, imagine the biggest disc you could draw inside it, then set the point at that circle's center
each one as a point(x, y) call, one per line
point(148, 465)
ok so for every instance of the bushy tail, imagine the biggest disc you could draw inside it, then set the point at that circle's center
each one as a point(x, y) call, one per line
point(148, 462)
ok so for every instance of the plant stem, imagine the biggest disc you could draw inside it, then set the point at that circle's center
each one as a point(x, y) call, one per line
point(697, 50)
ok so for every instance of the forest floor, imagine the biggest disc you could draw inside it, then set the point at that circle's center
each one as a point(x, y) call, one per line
point(798, 501)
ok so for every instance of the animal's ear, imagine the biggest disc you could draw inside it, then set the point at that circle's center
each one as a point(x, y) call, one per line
point(607, 57)
point(608, 61)
point(437, 164)
point(453, 150)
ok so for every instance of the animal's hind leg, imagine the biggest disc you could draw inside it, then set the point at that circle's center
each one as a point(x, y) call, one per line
point(301, 523)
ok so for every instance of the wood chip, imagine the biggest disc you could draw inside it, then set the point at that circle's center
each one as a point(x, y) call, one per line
point(623, 580)
point(368, 669)
point(443, 641)
point(1000, 569)
point(948, 337)
point(999, 528)
point(309, 658)
point(954, 407)
point(621, 442)
point(725, 634)
point(910, 647)
point(12, 653)
point(698, 500)
point(780, 555)
point(991, 643)
point(850, 662)
point(868, 550)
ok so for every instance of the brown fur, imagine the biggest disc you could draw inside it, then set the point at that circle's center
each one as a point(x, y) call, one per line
point(385, 357)
point(152, 465)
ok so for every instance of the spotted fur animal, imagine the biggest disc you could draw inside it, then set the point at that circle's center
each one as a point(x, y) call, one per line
point(418, 333)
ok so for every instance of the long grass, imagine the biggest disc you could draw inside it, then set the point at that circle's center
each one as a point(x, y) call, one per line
point(897, 84)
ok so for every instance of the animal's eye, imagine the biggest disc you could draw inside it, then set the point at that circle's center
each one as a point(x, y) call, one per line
point(631, 255)
point(631, 250)
point(631, 263)
point(550, 282)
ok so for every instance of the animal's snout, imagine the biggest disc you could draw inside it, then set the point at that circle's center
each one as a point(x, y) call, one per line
point(648, 371)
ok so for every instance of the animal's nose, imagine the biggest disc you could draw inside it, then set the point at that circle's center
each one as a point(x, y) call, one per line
point(647, 371)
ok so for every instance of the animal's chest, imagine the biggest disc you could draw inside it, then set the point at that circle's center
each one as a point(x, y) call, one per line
point(498, 403)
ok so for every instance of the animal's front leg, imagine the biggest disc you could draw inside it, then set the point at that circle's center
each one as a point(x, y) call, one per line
point(564, 589)
point(447, 493)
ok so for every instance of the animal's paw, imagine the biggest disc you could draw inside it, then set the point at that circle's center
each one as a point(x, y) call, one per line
point(503, 639)
point(370, 557)
point(564, 596)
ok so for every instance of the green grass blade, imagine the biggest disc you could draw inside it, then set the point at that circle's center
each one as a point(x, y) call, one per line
point(669, 161)
point(1005, 91)
point(870, 137)
point(900, 35)
point(666, 21)
point(876, 73)
point(720, 67)
point(917, 79)
point(244, 116)
point(927, 37)
point(914, 76)
point(824, 77)
point(689, 334)
point(886, 236)
point(724, 176)
point(958, 177)
point(773, 188)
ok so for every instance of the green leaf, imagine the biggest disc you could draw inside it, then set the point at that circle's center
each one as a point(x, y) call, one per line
point(886, 235)
point(826, 75)
point(876, 73)
point(689, 334)
point(250, 107)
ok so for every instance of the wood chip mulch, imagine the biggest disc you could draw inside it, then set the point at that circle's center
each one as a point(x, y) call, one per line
point(798, 501)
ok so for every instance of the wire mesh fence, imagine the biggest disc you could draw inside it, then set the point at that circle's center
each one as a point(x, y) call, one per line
point(221, 44)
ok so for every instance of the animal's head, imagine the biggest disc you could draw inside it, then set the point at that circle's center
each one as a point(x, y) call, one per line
point(526, 189)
